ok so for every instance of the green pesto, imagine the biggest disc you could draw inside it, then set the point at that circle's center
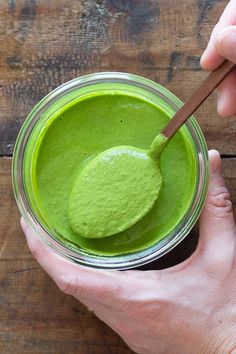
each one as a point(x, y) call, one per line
point(113, 191)
point(86, 128)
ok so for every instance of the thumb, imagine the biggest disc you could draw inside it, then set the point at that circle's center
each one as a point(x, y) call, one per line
point(226, 43)
point(217, 225)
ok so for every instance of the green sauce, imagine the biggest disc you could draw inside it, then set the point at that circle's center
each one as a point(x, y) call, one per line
point(113, 191)
point(87, 127)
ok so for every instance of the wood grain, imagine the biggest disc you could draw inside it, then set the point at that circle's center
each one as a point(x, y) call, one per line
point(42, 45)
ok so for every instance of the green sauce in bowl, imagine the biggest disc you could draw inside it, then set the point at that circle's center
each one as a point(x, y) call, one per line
point(88, 125)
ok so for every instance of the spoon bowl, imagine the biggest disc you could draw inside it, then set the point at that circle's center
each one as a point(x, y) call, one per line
point(113, 191)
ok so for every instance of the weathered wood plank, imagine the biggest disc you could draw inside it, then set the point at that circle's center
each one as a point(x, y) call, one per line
point(46, 43)
point(35, 317)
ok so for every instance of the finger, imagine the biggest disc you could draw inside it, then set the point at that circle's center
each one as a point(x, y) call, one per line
point(226, 46)
point(225, 43)
point(211, 58)
point(217, 225)
point(226, 98)
point(84, 283)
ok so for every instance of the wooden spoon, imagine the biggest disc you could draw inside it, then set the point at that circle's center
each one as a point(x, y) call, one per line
point(119, 186)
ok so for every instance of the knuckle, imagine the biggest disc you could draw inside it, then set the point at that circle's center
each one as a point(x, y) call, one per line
point(219, 202)
point(114, 295)
point(67, 286)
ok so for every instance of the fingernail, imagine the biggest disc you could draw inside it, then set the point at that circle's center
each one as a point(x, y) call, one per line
point(215, 159)
point(226, 43)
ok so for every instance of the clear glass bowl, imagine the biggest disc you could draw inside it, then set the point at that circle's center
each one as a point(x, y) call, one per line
point(32, 128)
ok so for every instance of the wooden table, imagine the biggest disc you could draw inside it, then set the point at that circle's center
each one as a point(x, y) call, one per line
point(43, 44)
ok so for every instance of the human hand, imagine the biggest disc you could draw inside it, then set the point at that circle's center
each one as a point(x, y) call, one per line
point(222, 44)
point(189, 308)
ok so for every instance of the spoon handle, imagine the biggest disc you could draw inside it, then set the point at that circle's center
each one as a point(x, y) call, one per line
point(197, 98)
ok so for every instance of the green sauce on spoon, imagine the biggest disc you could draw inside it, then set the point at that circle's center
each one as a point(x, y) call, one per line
point(115, 189)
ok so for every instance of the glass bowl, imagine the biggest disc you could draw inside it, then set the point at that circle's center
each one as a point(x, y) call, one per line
point(34, 124)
